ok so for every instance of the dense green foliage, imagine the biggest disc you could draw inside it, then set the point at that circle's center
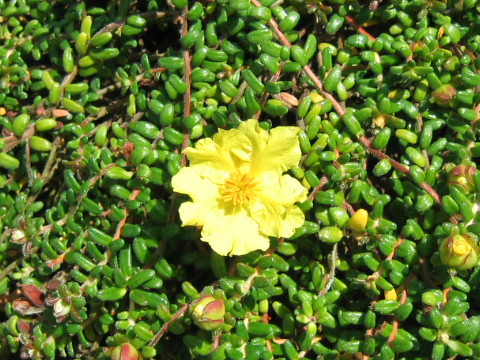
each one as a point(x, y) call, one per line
point(97, 100)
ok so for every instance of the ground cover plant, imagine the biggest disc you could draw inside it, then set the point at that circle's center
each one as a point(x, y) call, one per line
point(234, 179)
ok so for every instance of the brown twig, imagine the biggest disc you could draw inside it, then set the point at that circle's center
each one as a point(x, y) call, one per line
point(403, 297)
point(317, 188)
point(216, 341)
point(68, 80)
point(399, 167)
point(264, 97)
point(28, 166)
point(122, 222)
point(186, 97)
point(272, 249)
point(149, 15)
point(358, 28)
point(119, 84)
point(186, 112)
point(165, 326)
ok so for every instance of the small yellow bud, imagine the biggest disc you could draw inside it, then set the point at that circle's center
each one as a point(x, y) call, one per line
point(3, 111)
point(316, 98)
point(359, 220)
point(390, 295)
point(379, 121)
point(323, 46)
point(369, 23)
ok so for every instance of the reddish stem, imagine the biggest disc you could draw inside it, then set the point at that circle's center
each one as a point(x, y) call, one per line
point(358, 28)
point(165, 326)
point(186, 97)
point(122, 222)
point(317, 188)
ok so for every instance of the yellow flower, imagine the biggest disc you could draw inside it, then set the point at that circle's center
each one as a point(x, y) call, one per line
point(459, 252)
point(239, 195)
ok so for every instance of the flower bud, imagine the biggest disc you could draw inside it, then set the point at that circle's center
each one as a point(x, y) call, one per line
point(459, 252)
point(390, 294)
point(359, 220)
point(208, 312)
point(444, 94)
point(18, 236)
point(125, 352)
point(61, 308)
point(462, 176)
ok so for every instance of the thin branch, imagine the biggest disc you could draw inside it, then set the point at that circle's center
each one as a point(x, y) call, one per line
point(186, 97)
point(165, 326)
point(68, 80)
point(403, 297)
point(9, 268)
point(183, 159)
point(264, 97)
point(28, 166)
point(149, 15)
point(317, 188)
point(119, 84)
point(331, 275)
point(358, 28)
point(122, 222)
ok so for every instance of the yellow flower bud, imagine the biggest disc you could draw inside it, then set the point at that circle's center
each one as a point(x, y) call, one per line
point(359, 220)
point(390, 294)
point(379, 121)
point(459, 252)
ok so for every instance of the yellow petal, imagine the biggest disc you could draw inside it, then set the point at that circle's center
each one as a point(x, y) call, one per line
point(194, 182)
point(243, 143)
point(193, 214)
point(233, 234)
point(229, 150)
point(208, 153)
point(294, 218)
point(281, 152)
point(274, 208)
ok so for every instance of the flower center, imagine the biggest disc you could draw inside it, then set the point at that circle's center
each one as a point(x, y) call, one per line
point(239, 188)
point(460, 247)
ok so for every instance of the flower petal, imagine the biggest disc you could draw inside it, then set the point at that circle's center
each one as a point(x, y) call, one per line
point(193, 214)
point(207, 152)
point(274, 210)
point(233, 234)
point(194, 182)
point(281, 152)
point(229, 150)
